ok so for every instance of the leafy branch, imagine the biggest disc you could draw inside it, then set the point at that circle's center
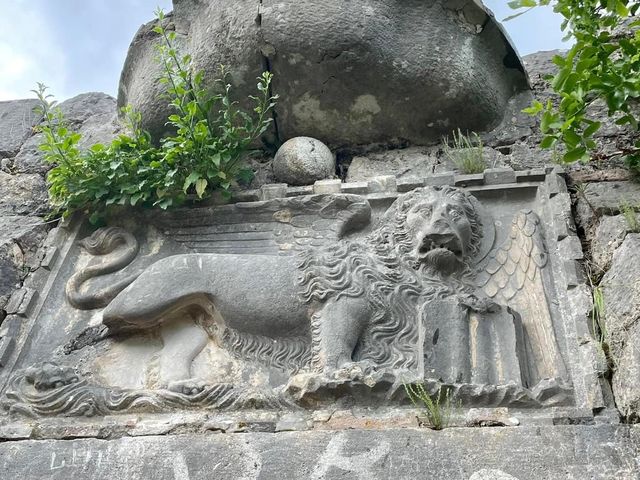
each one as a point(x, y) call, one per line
point(602, 65)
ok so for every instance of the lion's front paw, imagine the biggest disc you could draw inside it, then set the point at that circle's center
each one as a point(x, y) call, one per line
point(190, 386)
point(352, 370)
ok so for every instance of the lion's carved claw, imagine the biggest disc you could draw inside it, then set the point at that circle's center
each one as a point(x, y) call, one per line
point(479, 304)
point(190, 386)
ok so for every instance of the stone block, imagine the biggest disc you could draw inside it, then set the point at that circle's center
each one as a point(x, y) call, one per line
point(327, 186)
point(440, 179)
point(299, 191)
point(409, 184)
point(574, 273)
point(270, 192)
point(22, 302)
point(385, 183)
point(510, 453)
point(469, 180)
point(555, 184)
point(404, 163)
point(51, 254)
point(571, 248)
point(561, 227)
point(533, 175)
point(499, 176)
point(360, 188)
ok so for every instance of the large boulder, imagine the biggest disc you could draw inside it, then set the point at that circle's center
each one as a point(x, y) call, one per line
point(347, 73)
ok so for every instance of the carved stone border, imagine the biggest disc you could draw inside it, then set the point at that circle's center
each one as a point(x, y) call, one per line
point(586, 367)
point(25, 304)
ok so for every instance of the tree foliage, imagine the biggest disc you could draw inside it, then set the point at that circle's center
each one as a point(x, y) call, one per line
point(602, 65)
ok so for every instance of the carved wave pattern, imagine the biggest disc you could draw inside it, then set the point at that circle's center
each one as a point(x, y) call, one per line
point(288, 354)
point(81, 398)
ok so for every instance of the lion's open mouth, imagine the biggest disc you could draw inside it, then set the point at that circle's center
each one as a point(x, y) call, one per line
point(440, 244)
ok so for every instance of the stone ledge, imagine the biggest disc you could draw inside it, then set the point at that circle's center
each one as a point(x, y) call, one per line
point(491, 177)
point(594, 452)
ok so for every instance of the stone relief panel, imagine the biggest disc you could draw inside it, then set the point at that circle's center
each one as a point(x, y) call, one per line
point(303, 302)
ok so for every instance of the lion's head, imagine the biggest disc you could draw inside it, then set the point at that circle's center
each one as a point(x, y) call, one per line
point(436, 227)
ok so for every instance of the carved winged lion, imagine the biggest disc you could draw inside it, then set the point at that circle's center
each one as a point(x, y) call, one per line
point(299, 284)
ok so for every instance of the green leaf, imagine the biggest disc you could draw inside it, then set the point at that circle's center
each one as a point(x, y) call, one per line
point(591, 129)
point(548, 141)
point(575, 155)
point(190, 180)
point(201, 185)
point(534, 109)
point(571, 138)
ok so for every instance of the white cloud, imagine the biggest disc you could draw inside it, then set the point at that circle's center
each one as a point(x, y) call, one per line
point(28, 52)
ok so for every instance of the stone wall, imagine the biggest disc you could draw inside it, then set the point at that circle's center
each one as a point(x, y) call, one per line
point(601, 191)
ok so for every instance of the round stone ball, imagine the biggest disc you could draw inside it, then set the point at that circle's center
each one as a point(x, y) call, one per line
point(302, 161)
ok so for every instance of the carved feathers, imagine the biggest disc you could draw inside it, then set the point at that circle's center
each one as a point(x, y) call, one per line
point(272, 227)
point(517, 261)
point(514, 277)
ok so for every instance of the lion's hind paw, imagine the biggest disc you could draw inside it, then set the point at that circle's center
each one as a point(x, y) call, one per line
point(190, 386)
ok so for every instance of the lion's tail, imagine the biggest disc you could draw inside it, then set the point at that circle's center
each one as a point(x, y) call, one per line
point(289, 354)
point(124, 248)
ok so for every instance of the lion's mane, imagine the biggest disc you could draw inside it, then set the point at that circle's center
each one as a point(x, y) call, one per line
point(382, 268)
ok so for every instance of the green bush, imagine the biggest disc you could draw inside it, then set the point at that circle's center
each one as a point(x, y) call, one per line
point(204, 155)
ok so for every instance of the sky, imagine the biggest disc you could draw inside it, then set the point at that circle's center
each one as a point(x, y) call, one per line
point(77, 46)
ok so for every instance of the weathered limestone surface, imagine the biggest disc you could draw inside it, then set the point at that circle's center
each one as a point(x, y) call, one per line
point(621, 290)
point(607, 237)
point(23, 195)
point(605, 198)
point(346, 73)
point(536, 453)
point(17, 119)
point(413, 162)
point(20, 238)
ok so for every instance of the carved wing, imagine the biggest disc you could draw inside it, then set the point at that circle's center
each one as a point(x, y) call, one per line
point(277, 227)
point(513, 275)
